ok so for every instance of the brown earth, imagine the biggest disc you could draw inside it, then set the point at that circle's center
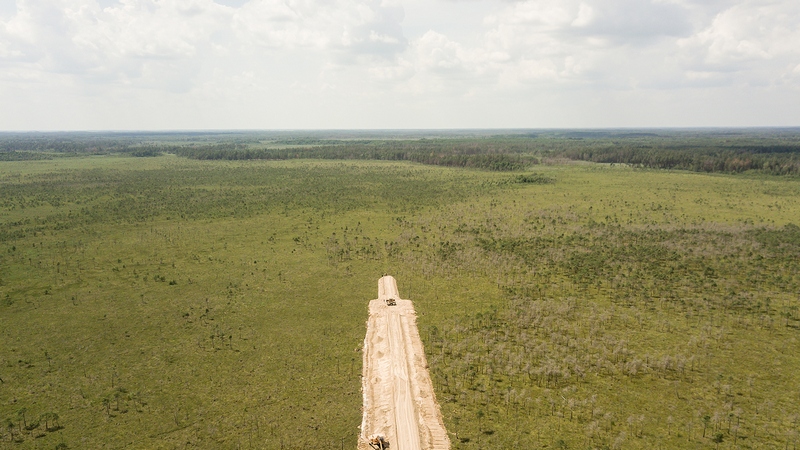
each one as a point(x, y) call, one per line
point(399, 402)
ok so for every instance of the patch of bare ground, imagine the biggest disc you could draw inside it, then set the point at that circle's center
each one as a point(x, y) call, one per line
point(399, 402)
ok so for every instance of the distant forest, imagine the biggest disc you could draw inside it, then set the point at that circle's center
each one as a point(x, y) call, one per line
point(769, 151)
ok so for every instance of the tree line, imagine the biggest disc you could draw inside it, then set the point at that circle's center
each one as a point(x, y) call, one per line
point(467, 155)
point(772, 159)
point(764, 151)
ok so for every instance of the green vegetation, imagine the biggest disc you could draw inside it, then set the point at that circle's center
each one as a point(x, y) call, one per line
point(630, 309)
point(775, 152)
point(765, 150)
point(169, 302)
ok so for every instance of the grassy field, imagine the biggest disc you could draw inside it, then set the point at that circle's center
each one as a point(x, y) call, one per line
point(631, 309)
point(167, 302)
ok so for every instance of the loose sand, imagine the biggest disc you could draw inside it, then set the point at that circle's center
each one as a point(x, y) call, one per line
point(399, 402)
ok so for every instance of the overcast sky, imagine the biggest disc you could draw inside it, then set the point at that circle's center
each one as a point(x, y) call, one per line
point(278, 64)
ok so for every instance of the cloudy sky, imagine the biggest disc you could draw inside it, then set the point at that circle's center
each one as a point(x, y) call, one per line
point(298, 64)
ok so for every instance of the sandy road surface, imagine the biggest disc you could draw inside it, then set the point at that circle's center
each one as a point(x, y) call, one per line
point(399, 402)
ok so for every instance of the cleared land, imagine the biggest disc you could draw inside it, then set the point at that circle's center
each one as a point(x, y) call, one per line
point(399, 402)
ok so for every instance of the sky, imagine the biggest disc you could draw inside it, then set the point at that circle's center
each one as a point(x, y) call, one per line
point(397, 64)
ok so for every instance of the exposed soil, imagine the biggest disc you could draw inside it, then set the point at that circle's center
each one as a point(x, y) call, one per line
point(399, 402)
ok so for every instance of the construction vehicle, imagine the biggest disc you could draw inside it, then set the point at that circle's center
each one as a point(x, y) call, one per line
point(387, 290)
point(378, 442)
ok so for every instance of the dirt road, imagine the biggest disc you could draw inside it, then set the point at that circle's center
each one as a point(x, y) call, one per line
point(399, 402)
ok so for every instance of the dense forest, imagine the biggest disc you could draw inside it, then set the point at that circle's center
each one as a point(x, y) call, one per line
point(771, 151)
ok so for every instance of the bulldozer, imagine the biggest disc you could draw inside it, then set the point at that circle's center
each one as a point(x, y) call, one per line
point(378, 442)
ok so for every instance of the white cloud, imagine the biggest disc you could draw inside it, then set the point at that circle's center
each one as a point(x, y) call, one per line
point(154, 42)
point(586, 15)
point(361, 27)
point(751, 31)
point(136, 39)
point(750, 44)
point(618, 44)
point(436, 52)
point(253, 58)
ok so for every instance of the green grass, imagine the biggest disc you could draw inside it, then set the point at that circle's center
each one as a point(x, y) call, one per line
point(164, 302)
point(629, 305)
